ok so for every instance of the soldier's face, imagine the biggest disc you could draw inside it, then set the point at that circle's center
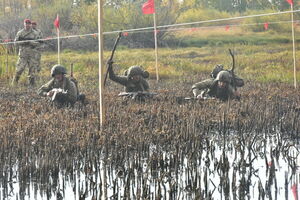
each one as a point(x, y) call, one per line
point(59, 77)
point(222, 84)
point(135, 78)
point(27, 25)
point(33, 26)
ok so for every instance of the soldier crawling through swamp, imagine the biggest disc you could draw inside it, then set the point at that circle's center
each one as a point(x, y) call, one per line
point(222, 85)
point(62, 90)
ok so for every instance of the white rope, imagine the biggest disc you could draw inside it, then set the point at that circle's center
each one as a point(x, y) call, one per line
point(149, 29)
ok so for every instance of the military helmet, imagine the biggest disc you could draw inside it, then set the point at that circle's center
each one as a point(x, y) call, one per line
point(58, 69)
point(224, 76)
point(216, 70)
point(136, 70)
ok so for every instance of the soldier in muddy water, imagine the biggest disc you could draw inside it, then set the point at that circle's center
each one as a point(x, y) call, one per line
point(222, 85)
point(27, 53)
point(61, 89)
point(134, 79)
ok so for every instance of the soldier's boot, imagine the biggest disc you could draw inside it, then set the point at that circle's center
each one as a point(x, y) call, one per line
point(81, 98)
point(31, 81)
point(15, 80)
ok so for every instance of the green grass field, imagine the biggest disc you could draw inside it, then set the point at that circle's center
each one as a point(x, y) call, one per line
point(263, 57)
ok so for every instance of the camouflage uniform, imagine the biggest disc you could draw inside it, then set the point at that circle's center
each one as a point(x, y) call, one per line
point(126, 80)
point(237, 81)
point(38, 49)
point(71, 93)
point(26, 54)
point(209, 87)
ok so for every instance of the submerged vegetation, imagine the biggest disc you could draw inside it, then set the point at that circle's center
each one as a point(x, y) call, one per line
point(165, 148)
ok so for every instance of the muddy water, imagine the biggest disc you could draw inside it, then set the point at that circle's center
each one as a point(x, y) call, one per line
point(264, 168)
point(163, 149)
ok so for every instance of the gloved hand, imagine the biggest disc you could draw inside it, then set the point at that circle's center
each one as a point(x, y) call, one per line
point(110, 62)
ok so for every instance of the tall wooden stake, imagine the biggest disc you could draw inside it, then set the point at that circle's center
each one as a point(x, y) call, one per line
point(155, 40)
point(101, 65)
point(58, 43)
point(294, 46)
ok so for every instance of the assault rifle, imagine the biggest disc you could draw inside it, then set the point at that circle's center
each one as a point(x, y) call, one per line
point(137, 95)
point(57, 93)
point(27, 41)
point(232, 69)
point(109, 62)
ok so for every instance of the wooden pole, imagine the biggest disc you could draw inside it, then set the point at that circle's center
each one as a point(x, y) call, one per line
point(7, 72)
point(58, 43)
point(294, 46)
point(156, 51)
point(101, 65)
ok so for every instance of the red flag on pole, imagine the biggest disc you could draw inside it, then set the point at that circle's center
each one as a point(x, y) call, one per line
point(148, 7)
point(290, 2)
point(227, 27)
point(56, 22)
point(266, 26)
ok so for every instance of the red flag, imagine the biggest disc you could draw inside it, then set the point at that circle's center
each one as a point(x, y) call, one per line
point(266, 26)
point(148, 7)
point(290, 2)
point(294, 191)
point(227, 28)
point(56, 22)
point(125, 34)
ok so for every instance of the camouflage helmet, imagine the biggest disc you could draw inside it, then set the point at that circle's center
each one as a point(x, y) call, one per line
point(58, 69)
point(216, 70)
point(224, 76)
point(136, 70)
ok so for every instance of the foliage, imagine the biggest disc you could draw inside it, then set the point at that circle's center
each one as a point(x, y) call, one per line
point(283, 26)
point(197, 14)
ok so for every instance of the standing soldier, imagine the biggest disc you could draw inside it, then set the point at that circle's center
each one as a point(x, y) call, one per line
point(39, 47)
point(26, 52)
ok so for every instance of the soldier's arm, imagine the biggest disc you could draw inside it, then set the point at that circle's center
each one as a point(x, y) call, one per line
point(145, 85)
point(42, 91)
point(233, 94)
point(198, 87)
point(119, 79)
point(72, 92)
point(239, 81)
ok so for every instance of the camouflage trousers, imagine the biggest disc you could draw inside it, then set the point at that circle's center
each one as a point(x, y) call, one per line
point(31, 63)
point(38, 56)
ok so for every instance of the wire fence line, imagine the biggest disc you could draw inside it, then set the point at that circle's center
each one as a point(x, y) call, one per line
point(166, 28)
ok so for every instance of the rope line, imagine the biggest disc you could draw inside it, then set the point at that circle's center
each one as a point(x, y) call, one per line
point(164, 28)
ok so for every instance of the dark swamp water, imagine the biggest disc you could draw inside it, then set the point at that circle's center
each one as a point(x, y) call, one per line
point(161, 149)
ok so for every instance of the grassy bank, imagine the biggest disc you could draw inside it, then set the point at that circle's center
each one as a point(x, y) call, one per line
point(264, 57)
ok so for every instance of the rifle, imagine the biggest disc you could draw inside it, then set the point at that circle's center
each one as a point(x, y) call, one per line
point(111, 57)
point(26, 42)
point(135, 95)
point(232, 69)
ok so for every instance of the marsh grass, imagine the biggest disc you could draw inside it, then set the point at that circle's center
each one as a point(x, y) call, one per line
point(261, 56)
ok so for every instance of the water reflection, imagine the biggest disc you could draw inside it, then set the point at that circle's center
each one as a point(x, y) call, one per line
point(230, 167)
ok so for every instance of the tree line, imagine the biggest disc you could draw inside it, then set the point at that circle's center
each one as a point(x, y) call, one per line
point(80, 16)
